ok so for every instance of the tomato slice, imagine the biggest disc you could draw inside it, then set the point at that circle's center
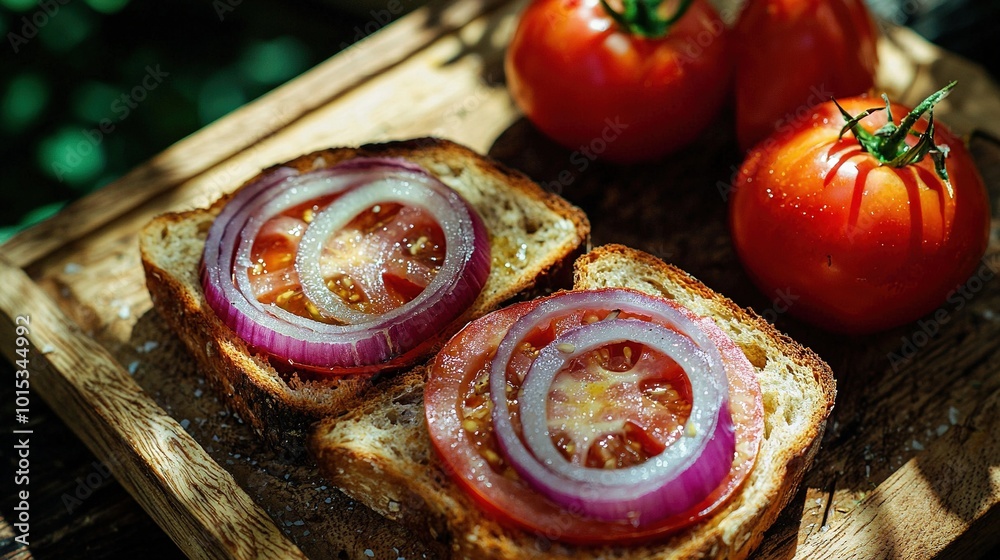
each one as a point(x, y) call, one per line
point(383, 259)
point(639, 400)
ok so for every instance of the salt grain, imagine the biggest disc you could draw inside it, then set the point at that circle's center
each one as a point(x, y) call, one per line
point(952, 415)
point(942, 429)
point(48, 349)
point(133, 367)
point(917, 445)
point(369, 553)
point(185, 423)
point(299, 523)
point(72, 268)
point(198, 393)
point(124, 312)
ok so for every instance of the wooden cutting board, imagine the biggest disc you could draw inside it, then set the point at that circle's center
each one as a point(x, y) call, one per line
point(910, 465)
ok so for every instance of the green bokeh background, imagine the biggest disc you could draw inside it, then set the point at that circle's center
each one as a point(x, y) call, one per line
point(65, 66)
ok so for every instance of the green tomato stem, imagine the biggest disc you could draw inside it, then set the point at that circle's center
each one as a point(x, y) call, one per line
point(888, 144)
point(642, 17)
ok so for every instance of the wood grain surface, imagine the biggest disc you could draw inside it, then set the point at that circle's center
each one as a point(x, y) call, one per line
point(910, 466)
point(78, 509)
point(147, 450)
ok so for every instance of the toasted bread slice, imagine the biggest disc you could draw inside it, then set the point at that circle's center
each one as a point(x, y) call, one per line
point(532, 234)
point(381, 453)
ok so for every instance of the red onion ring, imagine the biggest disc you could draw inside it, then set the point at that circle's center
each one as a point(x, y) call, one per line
point(369, 340)
point(667, 484)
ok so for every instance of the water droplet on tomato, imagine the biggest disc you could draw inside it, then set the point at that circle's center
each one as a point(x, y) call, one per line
point(617, 44)
point(599, 24)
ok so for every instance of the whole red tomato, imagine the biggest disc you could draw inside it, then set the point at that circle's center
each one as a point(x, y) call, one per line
point(859, 244)
point(825, 48)
point(595, 83)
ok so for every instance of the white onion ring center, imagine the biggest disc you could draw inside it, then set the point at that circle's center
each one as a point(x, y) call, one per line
point(533, 399)
point(337, 215)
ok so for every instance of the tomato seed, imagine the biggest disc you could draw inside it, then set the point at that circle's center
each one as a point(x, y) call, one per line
point(418, 245)
point(566, 348)
point(313, 311)
point(480, 413)
point(491, 457)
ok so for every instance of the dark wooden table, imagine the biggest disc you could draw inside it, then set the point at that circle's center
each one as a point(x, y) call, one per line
point(77, 509)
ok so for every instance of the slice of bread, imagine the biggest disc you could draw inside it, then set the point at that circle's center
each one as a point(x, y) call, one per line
point(532, 235)
point(381, 453)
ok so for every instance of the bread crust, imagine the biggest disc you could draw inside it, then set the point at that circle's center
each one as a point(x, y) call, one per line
point(381, 455)
point(280, 407)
